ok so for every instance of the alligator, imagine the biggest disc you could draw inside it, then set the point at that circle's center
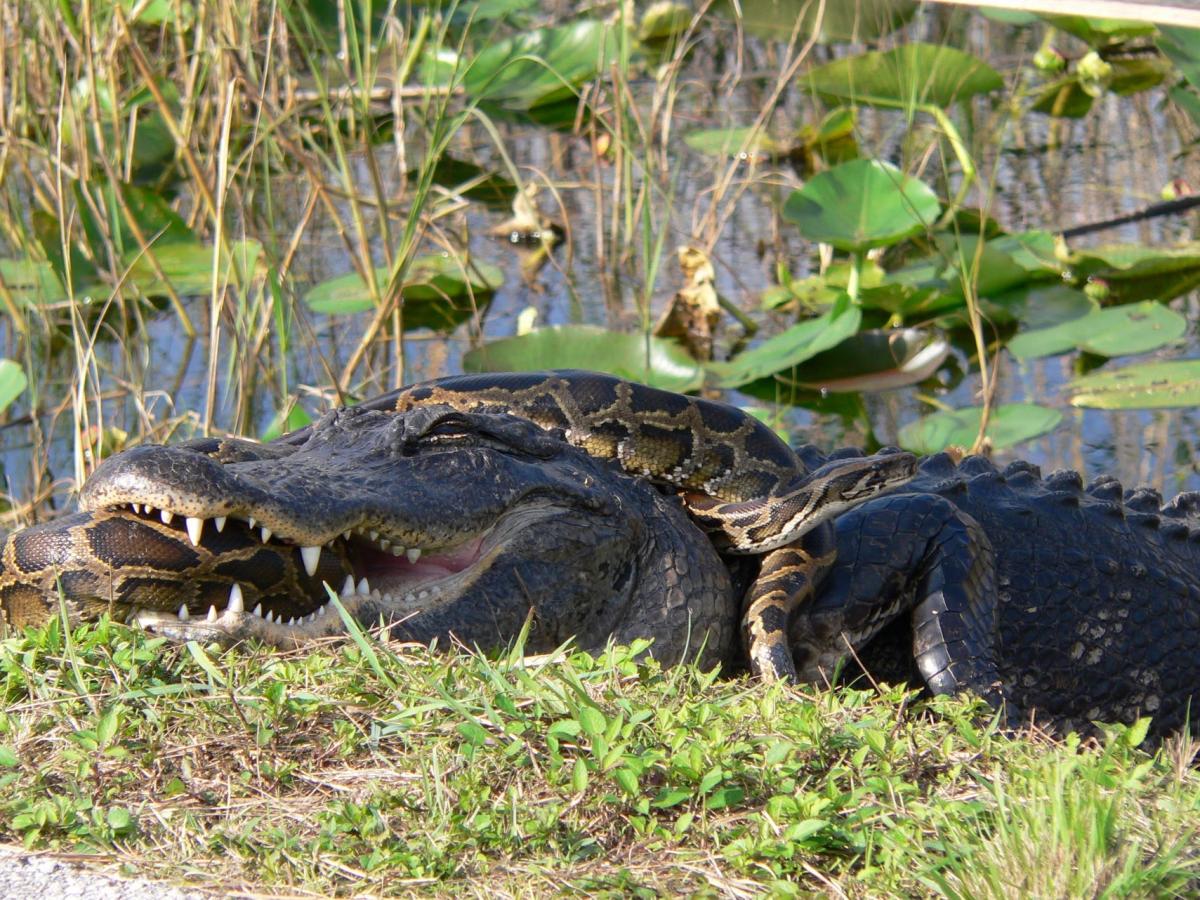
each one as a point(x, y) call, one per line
point(480, 510)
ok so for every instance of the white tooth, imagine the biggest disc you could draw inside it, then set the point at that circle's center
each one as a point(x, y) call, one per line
point(375, 595)
point(166, 517)
point(322, 609)
point(292, 622)
point(136, 507)
point(212, 614)
point(195, 527)
point(374, 535)
point(311, 556)
point(219, 521)
point(183, 613)
point(266, 534)
point(364, 589)
point(236, 601)
point(148, 509)
point(384, 544)
point(422, 595)
point(397, 551)
point(270, 617)
point(348, 587)
point(414, 553)
point(251, 522)
point(345, 535)
point(257, 610)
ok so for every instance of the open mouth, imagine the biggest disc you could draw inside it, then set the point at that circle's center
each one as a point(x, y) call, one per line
point(266, 584)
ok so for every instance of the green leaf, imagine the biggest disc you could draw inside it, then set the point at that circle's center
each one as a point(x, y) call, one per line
point(1132, 272)
point(437, 291)
point(1182, 47)
point(650, 360)
point(12, 382)
point(786, 349)
point(862, 204)
point(1116, 331)
point(876, 360)
point(1040, 305)
point(8, 757)
point(294, 418)
point(908, 76)
point(1145, 386)
point(540, 66)
point(1099, 32)
point(861, 20)
point(1008, 424)
point(188, 267)
point(730, 141)
point(31, 283)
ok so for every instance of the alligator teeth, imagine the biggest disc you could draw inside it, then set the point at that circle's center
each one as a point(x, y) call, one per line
point(321, 610)
point(347, 588)
point(236, 601)
point(311, 556)
point(345, 535)
point(166, 517)
point(364, 589)
point(374, 535)
point(195, 527)
point(422, 595)
point(414, 553)
point(384, 544)
point(270, 617)
point(257, 610)
point(212, 614)
point(291, 622)
point(219, 521)
point(136, 507)
point(251, 522)
point(397, 551)
point(266, 534)
point(183, 612)
point(148, 509)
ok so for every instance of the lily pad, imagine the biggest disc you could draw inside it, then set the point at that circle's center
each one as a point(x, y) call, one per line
point(875, 360)
point(908, 76)
point(542, 65)
point(1040, 305)
point(1157, 385)
point(188, 267)
point(846, 20)
point(31, 283)
point(862, 204)
point(1132, 272)
point(742, 142)
point(788, 348)
point(1008, 424)
point(12, 382)
point(1116, 331)
point(650, 360)
point(437, 291)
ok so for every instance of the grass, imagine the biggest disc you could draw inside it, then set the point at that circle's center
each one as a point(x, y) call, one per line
point(370, 768)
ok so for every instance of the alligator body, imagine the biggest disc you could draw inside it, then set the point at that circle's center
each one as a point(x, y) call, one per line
point(471, 524)
point(1090, 596)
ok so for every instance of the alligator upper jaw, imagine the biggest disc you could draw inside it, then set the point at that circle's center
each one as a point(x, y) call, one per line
point(383, 579)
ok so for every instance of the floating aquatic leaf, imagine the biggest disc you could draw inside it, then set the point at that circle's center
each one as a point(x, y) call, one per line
point(540, 66)
point(30, 283)
point(188, 268)
point(12, 382)
point(732, 141)
point(1116, 331)
point(862, 204)
point(1143, 386)
point(875, 360)
point(908, 76)
point(1008, 424)
point(784, 350)
point(437, 291)
point(1100, 32)
point(1132, 272)
point(638, 357)
point(1040, 305)
point(845, 20)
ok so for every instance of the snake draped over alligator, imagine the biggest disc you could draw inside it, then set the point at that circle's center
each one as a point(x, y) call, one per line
point(469, 508)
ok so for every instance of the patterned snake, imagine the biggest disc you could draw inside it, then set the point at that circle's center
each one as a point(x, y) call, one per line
point(739, 482)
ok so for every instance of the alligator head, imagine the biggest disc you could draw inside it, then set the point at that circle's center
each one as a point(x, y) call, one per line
point(442, 524)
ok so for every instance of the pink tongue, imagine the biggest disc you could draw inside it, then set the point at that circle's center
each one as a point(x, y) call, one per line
point(429, 566)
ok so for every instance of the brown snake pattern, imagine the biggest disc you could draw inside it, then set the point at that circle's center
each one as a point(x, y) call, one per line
point(738, 480)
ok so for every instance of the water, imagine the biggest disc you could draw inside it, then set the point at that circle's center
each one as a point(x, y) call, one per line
point(1045, 174)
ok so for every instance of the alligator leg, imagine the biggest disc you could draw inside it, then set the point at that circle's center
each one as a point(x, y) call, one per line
point(914, 554)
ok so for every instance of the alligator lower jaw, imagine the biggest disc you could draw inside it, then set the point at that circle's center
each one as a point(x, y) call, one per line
point(386, 584)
